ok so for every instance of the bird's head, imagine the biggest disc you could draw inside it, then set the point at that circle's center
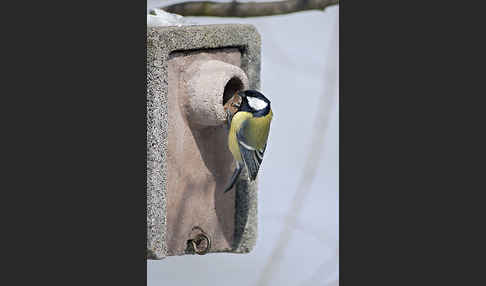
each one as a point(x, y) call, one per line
point(254, 102)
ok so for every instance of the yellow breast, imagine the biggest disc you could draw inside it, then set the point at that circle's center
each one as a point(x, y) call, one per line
point(257, 138)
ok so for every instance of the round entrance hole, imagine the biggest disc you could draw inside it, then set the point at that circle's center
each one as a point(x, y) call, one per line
point(234, 85)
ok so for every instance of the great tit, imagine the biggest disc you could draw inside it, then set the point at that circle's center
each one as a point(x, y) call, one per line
point(248, 133)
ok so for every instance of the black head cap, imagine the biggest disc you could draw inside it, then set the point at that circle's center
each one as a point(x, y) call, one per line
point(253, 93)
point(246, 106)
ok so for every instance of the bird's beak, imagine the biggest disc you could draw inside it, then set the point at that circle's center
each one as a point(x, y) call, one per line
point(241, 94)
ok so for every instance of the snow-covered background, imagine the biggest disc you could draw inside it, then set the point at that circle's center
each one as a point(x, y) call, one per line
point(300, 76)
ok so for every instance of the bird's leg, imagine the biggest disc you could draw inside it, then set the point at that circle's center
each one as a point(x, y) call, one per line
point(234, 177)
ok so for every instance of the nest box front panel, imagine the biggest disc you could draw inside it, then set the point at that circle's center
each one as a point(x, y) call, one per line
point(199, 164)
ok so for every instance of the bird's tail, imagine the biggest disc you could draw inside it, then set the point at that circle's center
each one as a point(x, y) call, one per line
point(234, 177)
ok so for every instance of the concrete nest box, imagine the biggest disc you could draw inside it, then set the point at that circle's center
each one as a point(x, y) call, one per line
point(193, 73)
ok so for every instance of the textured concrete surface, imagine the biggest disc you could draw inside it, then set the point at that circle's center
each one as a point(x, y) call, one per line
point(161, 42)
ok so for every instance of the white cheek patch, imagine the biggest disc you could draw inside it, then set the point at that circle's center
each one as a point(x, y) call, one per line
point(256, 103)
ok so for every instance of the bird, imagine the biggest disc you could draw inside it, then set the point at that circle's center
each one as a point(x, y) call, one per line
point(249, 128)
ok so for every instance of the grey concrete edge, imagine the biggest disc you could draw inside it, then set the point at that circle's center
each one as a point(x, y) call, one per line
point(161, 41)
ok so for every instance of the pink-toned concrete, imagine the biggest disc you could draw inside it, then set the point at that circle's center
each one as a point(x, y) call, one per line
point(199, 162)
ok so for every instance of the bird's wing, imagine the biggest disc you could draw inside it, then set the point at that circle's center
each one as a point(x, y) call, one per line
point(251, 156)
